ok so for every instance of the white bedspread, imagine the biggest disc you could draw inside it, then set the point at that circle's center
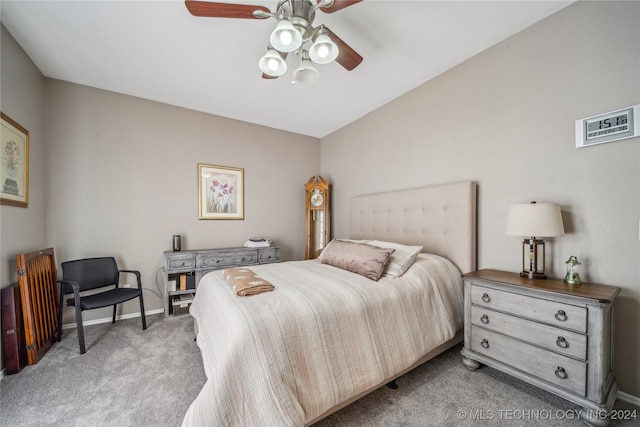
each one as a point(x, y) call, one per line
point(321, 337)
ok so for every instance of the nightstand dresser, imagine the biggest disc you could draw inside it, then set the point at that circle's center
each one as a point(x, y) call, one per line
point(555, 336)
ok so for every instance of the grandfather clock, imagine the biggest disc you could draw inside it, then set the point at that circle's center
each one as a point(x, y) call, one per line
point(317, 223)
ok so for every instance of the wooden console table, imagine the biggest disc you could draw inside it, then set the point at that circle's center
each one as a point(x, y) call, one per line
point(190, 266)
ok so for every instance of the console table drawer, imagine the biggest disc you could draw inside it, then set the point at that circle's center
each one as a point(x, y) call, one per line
point(538, 309)
point(557, 369)
point(227, 260)
point(555, 339)
point(178, 263)
point(268, 255)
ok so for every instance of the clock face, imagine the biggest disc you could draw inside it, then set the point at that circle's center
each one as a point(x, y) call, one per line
point(316, 197)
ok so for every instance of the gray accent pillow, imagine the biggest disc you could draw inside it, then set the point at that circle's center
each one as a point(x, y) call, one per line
point(366, 260)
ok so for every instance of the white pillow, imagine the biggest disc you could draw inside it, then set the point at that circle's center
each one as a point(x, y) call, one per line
point(401, 259)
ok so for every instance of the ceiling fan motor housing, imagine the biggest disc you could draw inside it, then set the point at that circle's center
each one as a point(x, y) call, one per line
point(300, 13)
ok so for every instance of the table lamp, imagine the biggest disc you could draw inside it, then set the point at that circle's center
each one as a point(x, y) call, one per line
point(534, 220)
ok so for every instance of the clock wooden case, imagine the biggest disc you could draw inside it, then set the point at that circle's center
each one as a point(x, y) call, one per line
point(317, 220)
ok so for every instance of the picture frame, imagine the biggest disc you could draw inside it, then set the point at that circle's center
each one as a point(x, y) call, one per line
point(220, 192)
point(14, 163)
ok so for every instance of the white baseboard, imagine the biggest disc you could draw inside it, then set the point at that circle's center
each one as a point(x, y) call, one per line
point(628, 398)
point(108, 319)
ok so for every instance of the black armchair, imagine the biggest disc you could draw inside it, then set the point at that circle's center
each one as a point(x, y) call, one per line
point(93, 273)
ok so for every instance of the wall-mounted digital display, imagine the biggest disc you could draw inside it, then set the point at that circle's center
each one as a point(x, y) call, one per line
point(608, 127)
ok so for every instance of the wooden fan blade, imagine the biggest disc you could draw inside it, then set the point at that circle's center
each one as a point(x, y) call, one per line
point(338, 5)
point(222, 10)
point(347, 57)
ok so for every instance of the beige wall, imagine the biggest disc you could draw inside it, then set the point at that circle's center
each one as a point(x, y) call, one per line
point(505, 119)
point(124, 179)
point(21, 98)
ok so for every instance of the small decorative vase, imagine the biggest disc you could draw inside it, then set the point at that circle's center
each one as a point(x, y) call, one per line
point(572, 277)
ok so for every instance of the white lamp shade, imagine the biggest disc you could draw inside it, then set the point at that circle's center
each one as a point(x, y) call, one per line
point(272, 64)
point(535, 220)
point(285, 37)
point(306, 73)
point(323, 50)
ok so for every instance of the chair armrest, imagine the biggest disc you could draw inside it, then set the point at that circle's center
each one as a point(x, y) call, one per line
point(76, 292)
point(137, 273)
point(75, 287)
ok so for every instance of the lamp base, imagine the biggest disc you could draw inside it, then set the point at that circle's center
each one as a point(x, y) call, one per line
point(533, 259)
point(533, 275)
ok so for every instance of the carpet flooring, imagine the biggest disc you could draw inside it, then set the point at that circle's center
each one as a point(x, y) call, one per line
point(130, 377)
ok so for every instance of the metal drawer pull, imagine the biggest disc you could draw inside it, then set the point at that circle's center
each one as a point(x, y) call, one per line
point(485, 298)
point(562, 343)
point(484, 343)
point(561, 373)
point(561, 316)
point(484, 319)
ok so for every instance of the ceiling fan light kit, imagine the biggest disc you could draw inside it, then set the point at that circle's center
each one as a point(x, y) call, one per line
point(272, 63)
point(294, 30)
point(286, 38)
point(306, 73)
point(323, 50)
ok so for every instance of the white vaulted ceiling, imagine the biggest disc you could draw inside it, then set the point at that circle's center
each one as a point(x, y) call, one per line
point(158, 51)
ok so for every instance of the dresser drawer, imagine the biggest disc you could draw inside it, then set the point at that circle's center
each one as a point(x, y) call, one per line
point(181, 262)
point(557, 369)
point(228, 260)
point(268, 255)
point(551, 312)
point(555, 339)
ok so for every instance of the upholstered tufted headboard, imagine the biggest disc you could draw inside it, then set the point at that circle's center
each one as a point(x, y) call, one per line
point(441, 218)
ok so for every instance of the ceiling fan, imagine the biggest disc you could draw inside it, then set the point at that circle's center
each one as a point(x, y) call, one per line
point(294, 33)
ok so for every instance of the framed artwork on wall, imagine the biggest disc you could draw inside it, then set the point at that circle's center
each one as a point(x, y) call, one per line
point(14, 176)
point(220, 192)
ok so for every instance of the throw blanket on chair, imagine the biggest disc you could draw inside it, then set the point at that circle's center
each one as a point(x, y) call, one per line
point(245, 282)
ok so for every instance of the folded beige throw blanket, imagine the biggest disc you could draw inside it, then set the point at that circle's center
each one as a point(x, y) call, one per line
point(245, 282)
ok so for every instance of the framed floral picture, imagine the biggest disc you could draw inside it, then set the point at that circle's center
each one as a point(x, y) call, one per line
point(220, 192)
point(14, 176)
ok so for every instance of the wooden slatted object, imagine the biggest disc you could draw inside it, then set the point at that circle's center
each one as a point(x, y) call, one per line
point(39, 294)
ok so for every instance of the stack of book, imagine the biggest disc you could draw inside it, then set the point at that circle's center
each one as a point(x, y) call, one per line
point(184, 281)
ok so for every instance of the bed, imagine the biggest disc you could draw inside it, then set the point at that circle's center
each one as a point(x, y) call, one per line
point(326, 336)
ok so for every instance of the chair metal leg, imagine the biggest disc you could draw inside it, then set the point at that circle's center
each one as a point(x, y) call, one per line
point(144, 319)
point(60, 313)
point(113, 320)
point(78, 307)
point(80, 330)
